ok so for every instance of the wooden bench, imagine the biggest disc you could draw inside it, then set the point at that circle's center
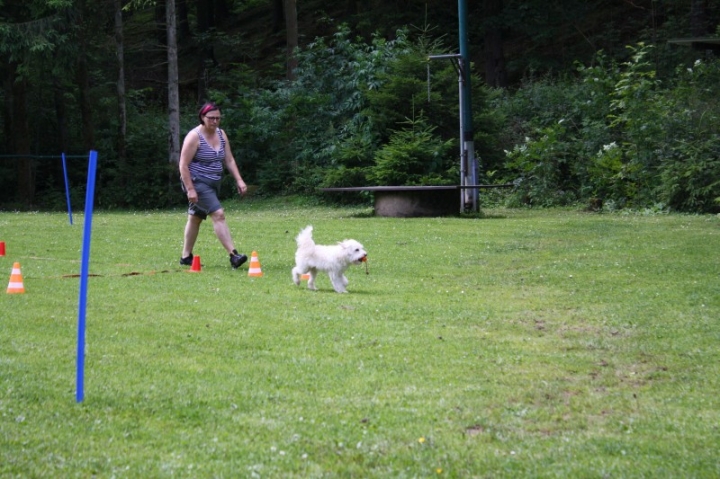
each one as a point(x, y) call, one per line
point(414, 201)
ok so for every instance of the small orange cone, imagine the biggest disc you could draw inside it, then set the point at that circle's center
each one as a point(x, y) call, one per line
point(305, 276)
point(16, 282)
point(2, 248)
point(195, 268)
point(254, 269)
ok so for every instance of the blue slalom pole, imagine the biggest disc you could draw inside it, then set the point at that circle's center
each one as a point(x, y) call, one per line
point(67, 187)
point(84, 272)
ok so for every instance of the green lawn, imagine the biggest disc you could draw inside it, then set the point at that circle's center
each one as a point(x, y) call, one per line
point(549, 343)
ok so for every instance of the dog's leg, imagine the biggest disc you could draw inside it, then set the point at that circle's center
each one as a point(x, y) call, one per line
point(344, 280)
point(311, 280)
point(296, 276)
point(337, 281)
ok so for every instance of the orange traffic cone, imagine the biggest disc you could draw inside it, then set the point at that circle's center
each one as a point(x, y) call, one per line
point(195, 268)
point(305, 276)
point(2, 248)
point(254, 269)
point(16, 282)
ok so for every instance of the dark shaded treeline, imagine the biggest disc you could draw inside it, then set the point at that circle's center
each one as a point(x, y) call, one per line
point(60, 68)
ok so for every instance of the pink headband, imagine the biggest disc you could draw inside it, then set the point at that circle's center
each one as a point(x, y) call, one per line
point(207, 108)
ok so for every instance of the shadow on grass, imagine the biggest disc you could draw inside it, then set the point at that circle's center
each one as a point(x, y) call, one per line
point(481, 215)
point(370, 213)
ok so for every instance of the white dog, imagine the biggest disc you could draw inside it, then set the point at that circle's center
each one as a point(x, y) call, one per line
point(333, 259)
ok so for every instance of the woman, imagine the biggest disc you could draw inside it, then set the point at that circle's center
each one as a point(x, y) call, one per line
point(205, 150)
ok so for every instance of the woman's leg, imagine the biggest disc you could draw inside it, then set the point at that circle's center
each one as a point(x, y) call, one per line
point(222, 231)
point(191, 233)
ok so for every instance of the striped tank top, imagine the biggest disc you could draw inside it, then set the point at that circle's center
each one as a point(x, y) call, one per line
point(207, 162)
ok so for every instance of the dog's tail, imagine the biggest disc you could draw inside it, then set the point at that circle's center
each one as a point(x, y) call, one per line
point(305, 239)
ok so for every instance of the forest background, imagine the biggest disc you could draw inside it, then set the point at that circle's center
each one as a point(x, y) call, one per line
point(574, 101)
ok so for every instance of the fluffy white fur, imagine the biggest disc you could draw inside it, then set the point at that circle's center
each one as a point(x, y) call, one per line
point(333, 259)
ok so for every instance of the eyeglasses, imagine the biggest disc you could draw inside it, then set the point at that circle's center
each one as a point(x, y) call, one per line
point(214, 118)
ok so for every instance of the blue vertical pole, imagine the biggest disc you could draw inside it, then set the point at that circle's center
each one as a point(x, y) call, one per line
point(84, 272)
point(67, 188)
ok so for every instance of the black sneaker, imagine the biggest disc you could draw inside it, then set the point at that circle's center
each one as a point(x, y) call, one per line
point(187, 261)
point(236, 259)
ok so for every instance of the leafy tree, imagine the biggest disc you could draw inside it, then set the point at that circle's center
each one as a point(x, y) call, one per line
point(30, 34)
point(413, 156)
point(298, 127)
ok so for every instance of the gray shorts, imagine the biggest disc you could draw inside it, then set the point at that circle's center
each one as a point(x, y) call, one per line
point(207, 192)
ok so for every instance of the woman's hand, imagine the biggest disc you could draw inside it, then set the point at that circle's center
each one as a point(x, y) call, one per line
point(241, 187)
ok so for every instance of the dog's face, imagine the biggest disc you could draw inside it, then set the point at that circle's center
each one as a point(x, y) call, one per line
point(354, 251)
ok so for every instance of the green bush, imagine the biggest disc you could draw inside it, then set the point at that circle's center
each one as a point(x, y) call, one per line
point(690, 168)
point(616, 134)
point(413, 156)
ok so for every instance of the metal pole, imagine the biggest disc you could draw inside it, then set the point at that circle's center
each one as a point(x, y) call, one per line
point(468, 145)
point(463, 155)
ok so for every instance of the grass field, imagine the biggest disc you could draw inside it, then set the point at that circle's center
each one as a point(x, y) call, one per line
point(549, 343)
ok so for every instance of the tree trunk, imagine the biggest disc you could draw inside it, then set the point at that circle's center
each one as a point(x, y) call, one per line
point(173, 83)
point(61, 114)
point(291, 27)
point(352, 7)
point(278, 12)
point(204, 15)
point(495, 70)
point(205, 21)
point(83, 83)
point(698, 19)
point(122, 111)
point(160, 13)
point(8, 70)
point(183, 26)
point(21, 140)
point(221, 10)
point(82, 78)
